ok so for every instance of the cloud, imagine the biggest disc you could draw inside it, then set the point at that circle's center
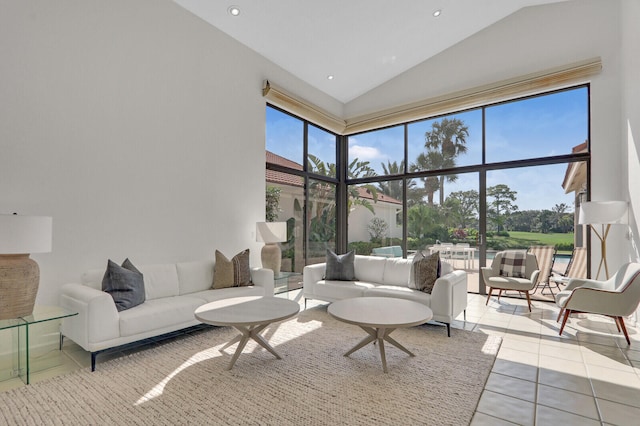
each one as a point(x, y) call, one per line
point(365, 153)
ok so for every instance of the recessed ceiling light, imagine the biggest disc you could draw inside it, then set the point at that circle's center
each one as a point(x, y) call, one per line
point(234, 10)
point(437, 13)
point(330, 77)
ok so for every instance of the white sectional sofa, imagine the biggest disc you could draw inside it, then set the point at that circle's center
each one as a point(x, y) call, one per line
point(389, 277)
point(173, 292)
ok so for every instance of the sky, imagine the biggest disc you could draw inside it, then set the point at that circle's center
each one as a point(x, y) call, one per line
point(535, 127)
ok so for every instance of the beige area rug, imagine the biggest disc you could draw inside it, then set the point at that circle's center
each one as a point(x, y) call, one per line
point(185, 381)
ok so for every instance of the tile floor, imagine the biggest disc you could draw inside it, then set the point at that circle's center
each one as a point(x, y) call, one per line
point(588, 376)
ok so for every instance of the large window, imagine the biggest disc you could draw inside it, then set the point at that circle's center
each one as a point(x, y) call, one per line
point(507, 175)
point(302, 196)
point(542, 126)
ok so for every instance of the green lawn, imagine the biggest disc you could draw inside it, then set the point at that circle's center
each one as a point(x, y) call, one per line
point(526, 239)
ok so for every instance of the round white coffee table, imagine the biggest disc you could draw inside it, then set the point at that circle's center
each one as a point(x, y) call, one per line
point(249, 315)
point(379, 316)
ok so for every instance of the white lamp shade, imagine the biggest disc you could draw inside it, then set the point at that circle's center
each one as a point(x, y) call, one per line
point(603, 212)
point(25, 234)
point(271, 232)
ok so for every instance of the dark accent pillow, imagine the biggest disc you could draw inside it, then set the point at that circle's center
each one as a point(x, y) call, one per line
point(125, 284)
point(340, 267)
point(418, 257)
point(426, 272)
point(231, 273)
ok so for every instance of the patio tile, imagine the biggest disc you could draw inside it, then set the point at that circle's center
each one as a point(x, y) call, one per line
point(565, 353)
point(506, 407)
point(573, 402)
point(481, 419)
point(565, 380)
point(563, 365)
point(512, 386)
point(606, 356)
point(521, 357)
point(521, 343)
point(550, 416)
point(615, 385)
point(618, 414)
point(516, 369)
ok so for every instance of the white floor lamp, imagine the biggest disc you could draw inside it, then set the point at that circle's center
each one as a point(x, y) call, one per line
point(271, 233)
point(605, 214)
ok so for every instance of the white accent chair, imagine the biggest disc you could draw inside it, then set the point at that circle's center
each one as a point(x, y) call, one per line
point(617, 297)
point(493, 279)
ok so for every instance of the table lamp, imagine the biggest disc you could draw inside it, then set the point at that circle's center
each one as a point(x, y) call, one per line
point(20, 275)
point(271, 233)
point(605, 214)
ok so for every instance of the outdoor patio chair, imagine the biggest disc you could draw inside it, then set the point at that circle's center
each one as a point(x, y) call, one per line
point(545, 255)
point(503, 275)
point(443, 248)
point(617, 297)
point(576, 268)
point(461, 252)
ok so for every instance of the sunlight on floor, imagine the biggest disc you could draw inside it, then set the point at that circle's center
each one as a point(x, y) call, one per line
point(158, 389)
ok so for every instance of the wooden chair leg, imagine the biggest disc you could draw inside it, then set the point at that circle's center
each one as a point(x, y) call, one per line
point(559, 314)
point(499, 294)
point(489, 295)
point(624, 330)
point(567, 312)
point(528, 300)
point(617, 324)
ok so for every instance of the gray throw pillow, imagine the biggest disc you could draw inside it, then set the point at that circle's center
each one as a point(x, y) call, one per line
point(340, 267)
point(125, 284)
point(426, 272)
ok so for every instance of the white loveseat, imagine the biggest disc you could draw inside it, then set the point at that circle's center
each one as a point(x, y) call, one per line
point(389, 277)
point(173, 292)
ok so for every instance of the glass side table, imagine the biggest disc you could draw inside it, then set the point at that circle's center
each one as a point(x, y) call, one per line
point(12, 348)
point(35, 341)
point(283, 281)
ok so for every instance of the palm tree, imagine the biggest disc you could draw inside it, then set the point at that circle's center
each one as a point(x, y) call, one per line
point(360, 169)
point(393, 188)
point(446, 140)
point(428, 161)
point(324, 210)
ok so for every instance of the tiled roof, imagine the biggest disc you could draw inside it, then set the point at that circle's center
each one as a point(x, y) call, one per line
point(273, 176)
point(281, 161)
point(364, 193)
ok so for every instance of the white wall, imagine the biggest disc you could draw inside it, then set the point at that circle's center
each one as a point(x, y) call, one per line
point(535, 39)
point(137, 126)
point(630, 122)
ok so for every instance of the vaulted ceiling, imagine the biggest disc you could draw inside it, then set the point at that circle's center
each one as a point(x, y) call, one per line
point(347, 47)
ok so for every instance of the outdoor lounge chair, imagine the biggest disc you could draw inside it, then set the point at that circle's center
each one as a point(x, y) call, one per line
point(576, 268)
point(545, 255)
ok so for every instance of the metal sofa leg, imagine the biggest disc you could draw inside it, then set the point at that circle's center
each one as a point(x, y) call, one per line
point(93, 360)
point(448, 329)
